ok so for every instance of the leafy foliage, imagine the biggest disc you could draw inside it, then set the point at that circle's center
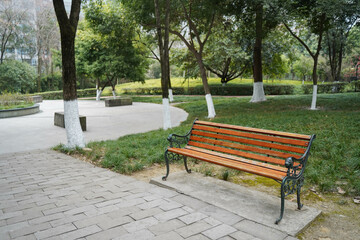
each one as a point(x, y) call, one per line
point(16, 76)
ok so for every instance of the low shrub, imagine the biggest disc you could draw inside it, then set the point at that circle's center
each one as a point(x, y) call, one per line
point(228, 90)
point(90, 92)
point(9, 100)
point(326, 88)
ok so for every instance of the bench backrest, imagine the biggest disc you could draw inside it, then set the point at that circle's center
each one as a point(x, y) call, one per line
point(251, 143)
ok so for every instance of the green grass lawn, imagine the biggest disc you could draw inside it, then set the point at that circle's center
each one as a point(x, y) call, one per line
point(193, 82)
point(335, 154)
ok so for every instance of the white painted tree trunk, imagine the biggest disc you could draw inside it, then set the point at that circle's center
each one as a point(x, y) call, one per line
point(114, 94)
point(166, 114)
point(223, 84)
point(258, 92)
point(74, 133)
point(98, 94)
point(210, 106)
point(171, 96)
point(314, 97)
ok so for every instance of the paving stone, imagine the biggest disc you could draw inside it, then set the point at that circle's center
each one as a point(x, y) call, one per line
point(198, 237)
point(124, 211)
point(83, 232)
point(68, 219)
point(108, 234)
point(27, 237)
point(175, 213)
point(243, 236)
point(259, 230)
point(146, 213)
point(133, 202)
point(226, 238)
point(213, 222)
point(169, 235)
point(91, 221)
point(55, 231)
point(193, 229)
point(151, 204)
point(162, 228)
point(139, 235)
point(46, 218)
point(290, 238)
point(219, 231)
point(193, 217)
point(169, 205)
point(189, 201)
point(221, 214)
point(115, 222)
point(141, 224)
point(28, 230)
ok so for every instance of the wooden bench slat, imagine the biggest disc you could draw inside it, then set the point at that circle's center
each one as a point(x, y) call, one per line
point(256, 163)
point(230, 163)
point(243, 147)
point(239, 153)
point(249, 141)
point(256, 130)
point(253, 135)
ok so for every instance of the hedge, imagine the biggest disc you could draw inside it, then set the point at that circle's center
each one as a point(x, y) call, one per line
point(90, 92)
point(228, 90)
point(326, 88)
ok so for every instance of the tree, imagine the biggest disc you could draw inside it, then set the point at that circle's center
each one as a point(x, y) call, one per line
point(228, 52)
point(197, 19)
point(302, 68)
point(46, 38)
point(16, 77)
point(105, 48)
point(11, 19)
point(68, 26)
point(147, 14)
point(314, 15)
point(336, 37)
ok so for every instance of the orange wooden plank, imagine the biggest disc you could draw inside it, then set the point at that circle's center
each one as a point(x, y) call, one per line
point(239, 153)
point(249, 141)
point(256, 130)
point(243, 147)
point(253, 135)
point(244, 160)
point(230, 163)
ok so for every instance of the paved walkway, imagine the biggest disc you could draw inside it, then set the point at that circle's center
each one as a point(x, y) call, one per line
point(49, 195)
point(37, 131)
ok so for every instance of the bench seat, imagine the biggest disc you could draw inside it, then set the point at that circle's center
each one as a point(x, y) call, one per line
point(281, 156)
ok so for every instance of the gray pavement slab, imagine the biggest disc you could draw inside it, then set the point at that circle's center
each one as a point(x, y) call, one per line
point(49, 195)
point(250, 209)
point(37, 131)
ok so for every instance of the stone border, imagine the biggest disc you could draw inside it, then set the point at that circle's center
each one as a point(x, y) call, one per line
point(17, 112)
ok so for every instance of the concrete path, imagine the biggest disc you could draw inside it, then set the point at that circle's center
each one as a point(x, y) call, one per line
point(37, 131)
point(256, 208)
point(49, 195)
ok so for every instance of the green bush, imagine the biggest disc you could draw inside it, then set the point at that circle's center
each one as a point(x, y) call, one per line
point(326, 88)
point(16, 76)
point(228, 90)
point(90, 92)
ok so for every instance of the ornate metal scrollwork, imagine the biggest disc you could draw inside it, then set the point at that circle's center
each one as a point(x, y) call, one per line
point(178, 141)
point(291, 185)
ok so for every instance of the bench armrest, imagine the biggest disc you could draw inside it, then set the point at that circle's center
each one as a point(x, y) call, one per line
point(179, 141)
point(289, 162)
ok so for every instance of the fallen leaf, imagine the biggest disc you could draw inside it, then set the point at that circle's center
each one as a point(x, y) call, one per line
point(340, 190)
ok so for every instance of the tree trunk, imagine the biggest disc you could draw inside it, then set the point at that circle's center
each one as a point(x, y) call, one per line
point(68, 27)
point(163, 43)
point(208, 97)
point(315, 80)
point(39, 73)
point(258, 90)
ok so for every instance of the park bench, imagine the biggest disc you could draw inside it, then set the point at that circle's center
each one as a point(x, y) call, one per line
point(277, 155)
